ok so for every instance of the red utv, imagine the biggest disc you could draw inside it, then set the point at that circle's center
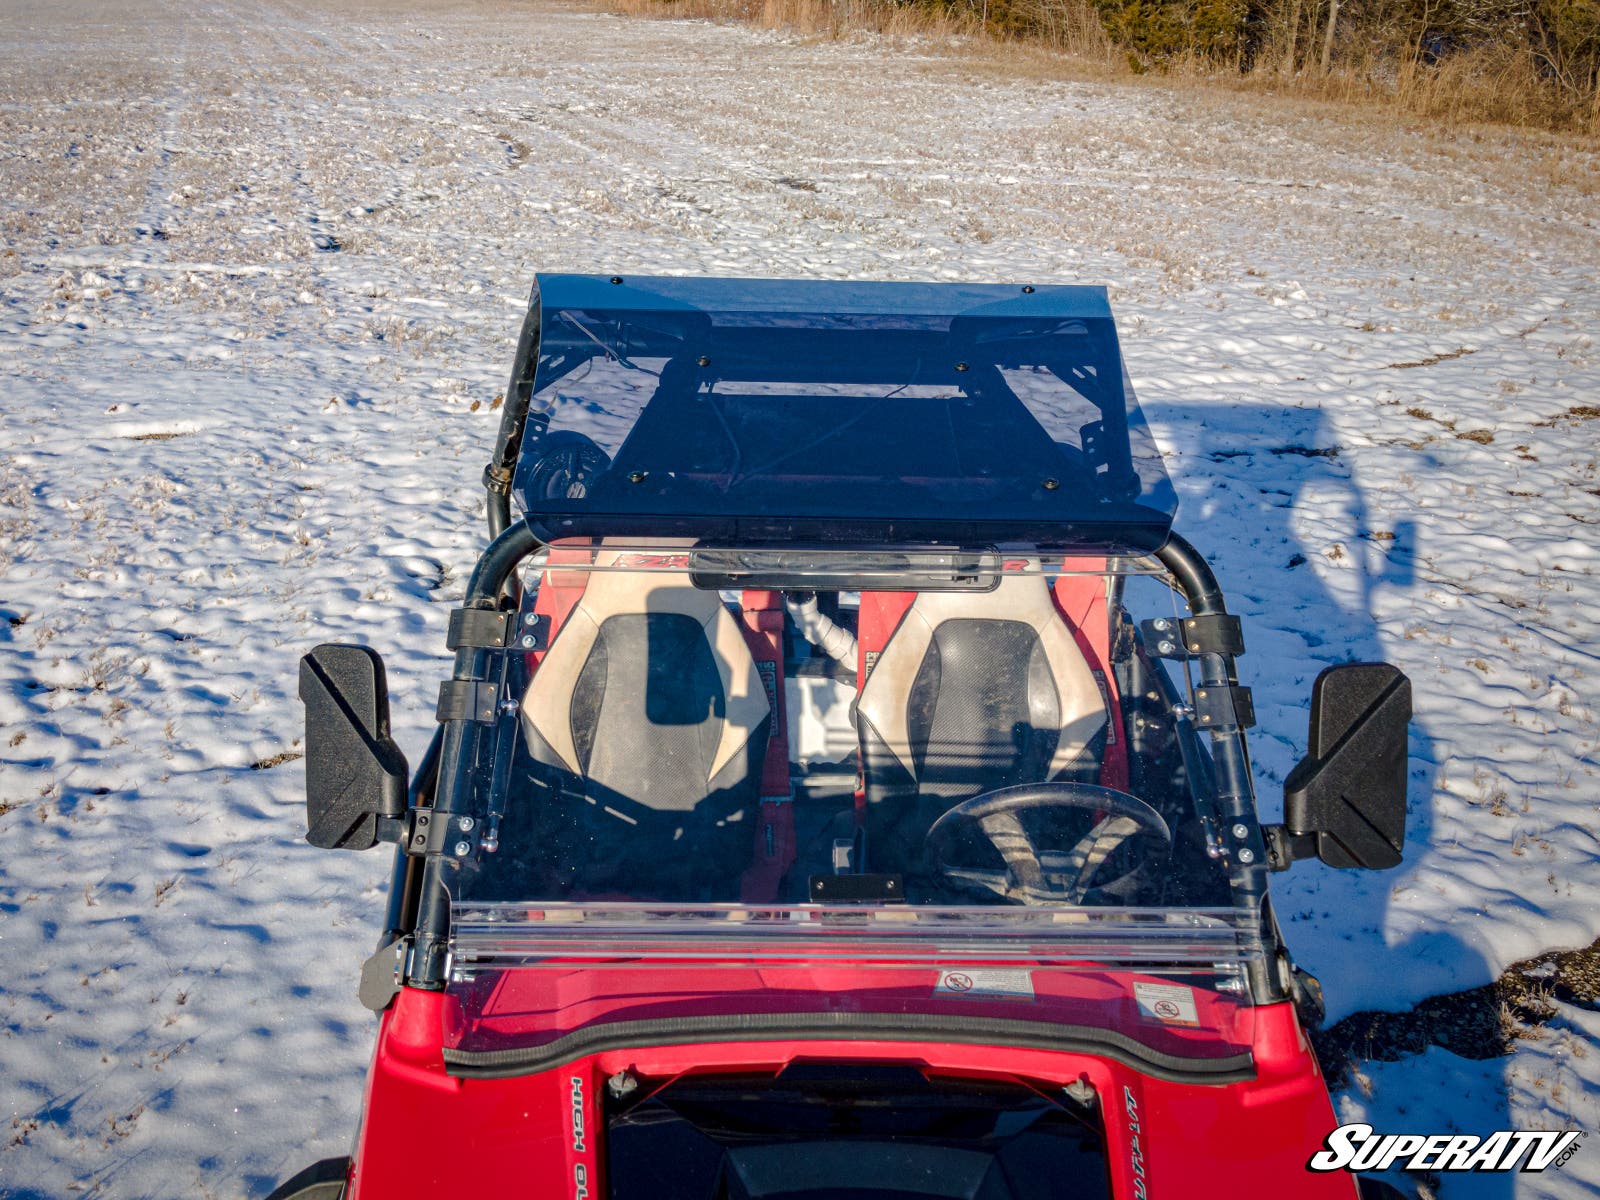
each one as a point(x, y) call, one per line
point(841, 790)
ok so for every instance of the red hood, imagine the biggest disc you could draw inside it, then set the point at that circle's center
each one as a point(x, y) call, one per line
point(540, 1134)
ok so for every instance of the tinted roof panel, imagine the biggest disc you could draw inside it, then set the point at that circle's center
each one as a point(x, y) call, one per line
point(739, 410)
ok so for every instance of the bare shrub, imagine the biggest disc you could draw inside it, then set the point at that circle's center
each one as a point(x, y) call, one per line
point(1532, 63)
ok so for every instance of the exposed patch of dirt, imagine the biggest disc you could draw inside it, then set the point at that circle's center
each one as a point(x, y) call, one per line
point(1483, 1022)
point(1301, 451)
point(1308, 451)
point(277, 760)
point(21, 1128)
point(1432, 359)
point(1578, 412)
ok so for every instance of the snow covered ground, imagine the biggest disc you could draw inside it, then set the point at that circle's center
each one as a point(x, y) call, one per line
point(261, 264)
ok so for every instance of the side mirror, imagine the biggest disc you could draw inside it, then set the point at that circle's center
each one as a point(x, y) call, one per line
point(355, 773)
point(1346, 800)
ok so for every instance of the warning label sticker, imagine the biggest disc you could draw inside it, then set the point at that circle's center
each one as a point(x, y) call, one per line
point(1169, 1003)
point(990, 984)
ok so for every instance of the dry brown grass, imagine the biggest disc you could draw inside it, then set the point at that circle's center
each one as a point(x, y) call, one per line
point(1063, 25)
point(808, 17)
point(1065, 38)
point(1492, 84)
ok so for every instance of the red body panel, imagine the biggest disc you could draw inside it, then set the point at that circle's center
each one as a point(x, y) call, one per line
point(559, 592)
point(542, 1135)
point(763, 633)
point(513, 1009)
point(773, 851)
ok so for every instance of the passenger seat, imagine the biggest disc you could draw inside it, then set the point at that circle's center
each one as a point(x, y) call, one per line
point(649, 717)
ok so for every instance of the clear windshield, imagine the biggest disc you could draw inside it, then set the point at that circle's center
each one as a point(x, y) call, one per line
point(789, 727)
point(791, 777)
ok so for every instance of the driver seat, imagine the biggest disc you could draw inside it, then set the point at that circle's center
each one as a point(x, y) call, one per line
point(973, 691)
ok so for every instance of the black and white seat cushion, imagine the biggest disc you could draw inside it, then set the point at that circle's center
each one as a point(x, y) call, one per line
point(650, 719)
point(973, 691)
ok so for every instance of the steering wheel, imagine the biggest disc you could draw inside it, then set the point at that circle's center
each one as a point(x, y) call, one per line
point(1046, 876)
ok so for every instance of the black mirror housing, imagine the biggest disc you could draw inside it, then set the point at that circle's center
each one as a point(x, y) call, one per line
point(1347, 797)
point(355, 773)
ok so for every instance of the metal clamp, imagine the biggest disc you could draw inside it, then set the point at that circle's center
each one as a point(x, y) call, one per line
point(467, 700)
point(427, 831)
point(1212, 633)
point(497, 479)
point(424, 832)
point(480, 628)
point(1223, 707)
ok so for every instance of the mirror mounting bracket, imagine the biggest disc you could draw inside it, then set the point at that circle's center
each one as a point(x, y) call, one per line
point(1190, 637)
point(1284, 848)
point(426, 832)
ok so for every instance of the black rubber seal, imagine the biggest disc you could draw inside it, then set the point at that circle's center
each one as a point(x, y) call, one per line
point(845, 1026)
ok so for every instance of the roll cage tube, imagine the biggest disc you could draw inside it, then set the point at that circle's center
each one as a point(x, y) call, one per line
point(1235, 795)
point(513, 420)
point(461, 734)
